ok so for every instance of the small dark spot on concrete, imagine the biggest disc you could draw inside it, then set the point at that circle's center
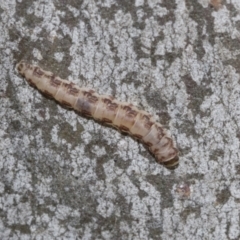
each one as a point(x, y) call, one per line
point(188, 128)
point(24, 229)
point(223, 196)
point(66, 132)
point(163, 185)
point(154, 99)
point(99, 168)
point(8, 189)
point(42, 113)
point(237, 169)
point(142, 194)
point(215, 154)
point(16, 125)
point(190, 210)
point(196, 93)
point(130, 77)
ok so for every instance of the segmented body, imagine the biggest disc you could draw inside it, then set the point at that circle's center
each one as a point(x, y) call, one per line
point(121, 115)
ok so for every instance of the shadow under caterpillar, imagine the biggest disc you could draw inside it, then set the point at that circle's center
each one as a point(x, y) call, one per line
point(106, 109)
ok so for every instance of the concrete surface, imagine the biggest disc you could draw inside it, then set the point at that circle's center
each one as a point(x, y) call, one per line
point(63, 176)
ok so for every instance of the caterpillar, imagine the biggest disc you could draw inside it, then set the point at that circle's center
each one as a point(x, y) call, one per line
point(124, 116)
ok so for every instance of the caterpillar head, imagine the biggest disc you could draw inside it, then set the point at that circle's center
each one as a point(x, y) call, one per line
point(21, 66)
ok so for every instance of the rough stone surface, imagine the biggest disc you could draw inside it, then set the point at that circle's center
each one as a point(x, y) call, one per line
point(63, 176)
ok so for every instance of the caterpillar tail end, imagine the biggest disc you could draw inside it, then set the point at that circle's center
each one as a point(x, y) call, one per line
point(172, 163)
point(21, 67)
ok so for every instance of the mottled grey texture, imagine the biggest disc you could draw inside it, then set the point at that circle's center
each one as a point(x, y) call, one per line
point(63, 176)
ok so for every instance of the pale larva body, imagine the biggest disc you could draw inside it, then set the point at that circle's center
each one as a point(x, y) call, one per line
point(123, 116)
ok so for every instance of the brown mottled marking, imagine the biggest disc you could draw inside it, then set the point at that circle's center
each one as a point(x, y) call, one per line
point(124, 116)
point(129, 112)
point(66, 85)
point(47, 94)
point(66, 104)
point(160, 133)
point(149, 144)
point(55, 82)
point(123, 128)
point(47, 76)
point(106, 101)
point(38, 72)
point(110, 105)
point(73, 91)
point(31, 82)
point(90, 97)
point(107, 121)
point(137, 136)
point(86, 113)
point(147, 123)
point(91, 91)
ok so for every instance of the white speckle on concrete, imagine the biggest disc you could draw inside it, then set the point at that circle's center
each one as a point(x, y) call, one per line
point(54, 134)
point(139, 3)
point(59, 56)
point(235, 189)
point(222, 21)
point(37, 54)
